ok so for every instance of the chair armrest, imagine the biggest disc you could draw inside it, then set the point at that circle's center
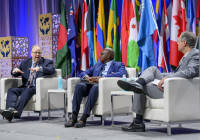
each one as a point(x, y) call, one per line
point(71, 83)
point(42, 86)
point(106, 85)
point(7, 83)
point(181, 99)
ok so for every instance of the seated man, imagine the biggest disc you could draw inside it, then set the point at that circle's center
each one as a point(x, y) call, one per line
point(89, 85)
point(188, 68)
point(29, 69)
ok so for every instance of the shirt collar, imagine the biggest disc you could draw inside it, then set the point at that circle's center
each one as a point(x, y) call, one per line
point(109, 63)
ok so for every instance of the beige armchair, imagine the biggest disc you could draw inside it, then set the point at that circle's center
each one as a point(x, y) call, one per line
point(181, 103)
point(39, 101)
point(103, 104)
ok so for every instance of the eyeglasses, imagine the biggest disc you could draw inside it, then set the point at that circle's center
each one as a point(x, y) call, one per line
point(102, 53)
point(37, 53)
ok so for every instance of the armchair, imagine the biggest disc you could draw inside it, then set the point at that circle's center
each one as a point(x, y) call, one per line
point(103, 104)
point(39, 101)
point(181, 103)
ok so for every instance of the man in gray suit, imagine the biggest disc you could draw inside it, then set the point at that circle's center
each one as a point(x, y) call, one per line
point(188, 68)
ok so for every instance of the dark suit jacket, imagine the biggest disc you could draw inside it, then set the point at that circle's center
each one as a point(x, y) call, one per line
point(46, 64)
point(117, 69)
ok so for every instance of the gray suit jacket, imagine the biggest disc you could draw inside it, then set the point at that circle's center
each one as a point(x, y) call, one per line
point(189, 68)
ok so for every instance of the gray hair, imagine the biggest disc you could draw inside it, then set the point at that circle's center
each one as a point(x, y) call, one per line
point(190, 38)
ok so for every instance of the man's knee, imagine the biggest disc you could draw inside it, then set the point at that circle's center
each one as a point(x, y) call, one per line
point(80, 85)
point(153, 67)
point(11, 90)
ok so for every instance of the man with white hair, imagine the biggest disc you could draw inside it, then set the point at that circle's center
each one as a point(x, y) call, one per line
point(29, 69)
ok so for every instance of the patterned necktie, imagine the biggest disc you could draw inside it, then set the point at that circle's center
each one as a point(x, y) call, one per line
point(31, 77)
point(102, 69)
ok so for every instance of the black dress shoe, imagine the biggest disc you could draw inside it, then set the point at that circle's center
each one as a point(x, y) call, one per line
point(80, 124)
point(14, 112)
point(134, 127)
point(70, 123)
point(8, 115)
point(131, 86)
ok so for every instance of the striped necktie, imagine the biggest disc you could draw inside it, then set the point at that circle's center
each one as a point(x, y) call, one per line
point(31, 77)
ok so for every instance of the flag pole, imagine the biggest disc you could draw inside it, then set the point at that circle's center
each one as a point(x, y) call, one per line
point(199, 51)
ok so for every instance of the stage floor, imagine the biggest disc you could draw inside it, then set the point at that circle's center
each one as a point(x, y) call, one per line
point(30, 128)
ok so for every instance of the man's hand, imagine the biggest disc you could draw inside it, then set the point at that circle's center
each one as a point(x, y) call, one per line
point(16, 70)
point(161, 83)
point(36, 69)
point(92, 79)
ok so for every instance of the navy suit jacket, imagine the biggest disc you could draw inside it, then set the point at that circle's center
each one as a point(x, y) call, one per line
point(46, 64)
point(116, 69)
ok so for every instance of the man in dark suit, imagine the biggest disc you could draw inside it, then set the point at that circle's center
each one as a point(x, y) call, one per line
point(188, 68)
point(89, 85)
point(29, 69)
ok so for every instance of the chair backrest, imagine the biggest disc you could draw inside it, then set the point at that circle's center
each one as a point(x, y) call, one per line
point(131, 72)
point(56, 74)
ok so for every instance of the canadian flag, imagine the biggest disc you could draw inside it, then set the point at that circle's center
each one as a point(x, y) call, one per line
point(84, 39)
point(178, 25)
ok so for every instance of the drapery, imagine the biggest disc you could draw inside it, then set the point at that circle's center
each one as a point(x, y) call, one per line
point(20, 17)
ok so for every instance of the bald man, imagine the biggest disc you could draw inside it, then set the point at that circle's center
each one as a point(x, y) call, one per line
point(89, 85)
point(29, 69)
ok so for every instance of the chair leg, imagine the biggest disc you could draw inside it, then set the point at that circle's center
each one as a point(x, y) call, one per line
point(40, 115)
point(28, 114)
point(169, 129)
point(102, 121)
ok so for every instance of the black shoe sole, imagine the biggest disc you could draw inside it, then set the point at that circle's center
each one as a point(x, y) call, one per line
point(129, 86)
point(70, 124)
point(79, 125)
point(133, 130)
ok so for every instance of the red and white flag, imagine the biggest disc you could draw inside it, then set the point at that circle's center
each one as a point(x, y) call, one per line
point(164, 38)
point(178, 25)
point(84, 39)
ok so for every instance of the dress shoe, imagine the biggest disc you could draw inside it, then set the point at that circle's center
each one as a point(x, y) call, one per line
point(8, 115)
point(15, 113)
point(131, 86)
point(70, 123)
point(80, 124)
point(134, 127)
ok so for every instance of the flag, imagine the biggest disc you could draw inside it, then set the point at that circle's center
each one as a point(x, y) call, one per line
point(164, 37)
point(198, 9)
point(127, 15)
point(144, 40)
point(63, 53)
point(155, 35)
point(84, 39)
point(71, 40)
point(78, 39)
point(101, 31)
point(90, 21)
point(191, 16)
point(133, 49)
point(178, 25)
point(112, 35)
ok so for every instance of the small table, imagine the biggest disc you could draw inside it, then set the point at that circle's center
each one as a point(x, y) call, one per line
point(57, 91)
point(118, 93)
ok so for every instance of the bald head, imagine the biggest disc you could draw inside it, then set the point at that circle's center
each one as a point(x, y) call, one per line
point(107, 55)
